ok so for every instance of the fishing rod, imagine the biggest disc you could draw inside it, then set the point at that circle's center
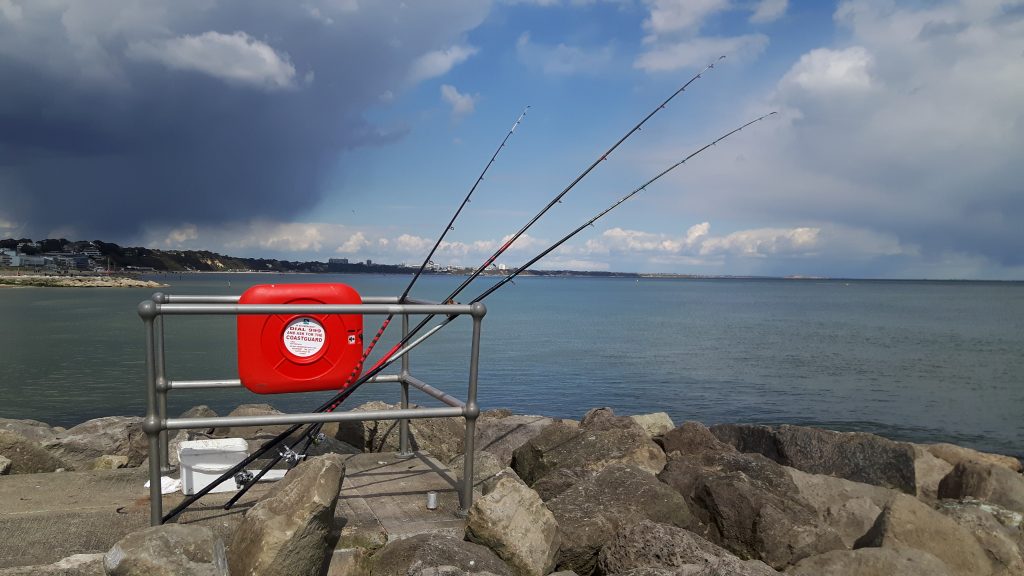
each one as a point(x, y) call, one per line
point(547, 251)
point(395, 351)
point(312, 435)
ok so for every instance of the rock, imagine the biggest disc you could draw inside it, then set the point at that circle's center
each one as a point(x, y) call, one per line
point(559, 480)
point(654, 424)
point(168, 550)
point(988, 482)
point(589, 513)
point(286, 532)
point(26, 456)
point(956, 454)
point(605, 419)
point(755, 522)
point(488, 470)
point(5, 465)
point(908, 522)
point(263, 432)
point(649, 544)
point(850, 508)
point(500, 433)
point(441, 437)
point(1002, 544)
point(692, 438)
point(929, 470)
point(435, 554)
point(76, 565)
point(110, 462)
point(564, 446)
point(871, 562)
point(117, 435)
point(512, 521)
point(746, 438)
point(34, 430)
point(856, 456)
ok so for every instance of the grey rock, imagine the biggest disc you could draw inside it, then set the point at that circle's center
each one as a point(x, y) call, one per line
point(692, 438)
point(441, 437)
point(110, 462)
point(488, 470)
point(605, 419)
point(26, 456)
point(602, 444)
point(650, 544)
point(589, 513)
point(747, 438)
point(168, 550)
point(77, 565)
point(252, 432)
point(929, 470)
point(988, 482)
point(755, 522)
point(5, 465)
point(501, 433)
point(512, 521)
point(655, 424)
point(871, 562)
point(435, 554)
point(956, 454)
point(81, 445)
point(560, 480)
point(1003, 544)
point(850, 508)
point(287, 531)
point(32, 429)
point(908, 522)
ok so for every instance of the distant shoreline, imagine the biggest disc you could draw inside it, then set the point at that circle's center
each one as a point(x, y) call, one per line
point(44, 281)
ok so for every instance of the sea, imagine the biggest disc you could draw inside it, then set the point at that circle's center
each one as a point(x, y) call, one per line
point(923, 361)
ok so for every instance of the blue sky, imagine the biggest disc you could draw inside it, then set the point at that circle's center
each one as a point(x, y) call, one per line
point(346, 129)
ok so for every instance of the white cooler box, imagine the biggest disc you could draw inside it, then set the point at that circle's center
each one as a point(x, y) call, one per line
point(203, 461)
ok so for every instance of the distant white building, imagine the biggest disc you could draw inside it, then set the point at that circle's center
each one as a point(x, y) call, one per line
point(6, 256)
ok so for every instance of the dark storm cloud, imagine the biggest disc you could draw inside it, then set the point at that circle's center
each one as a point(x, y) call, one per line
point(119, 115)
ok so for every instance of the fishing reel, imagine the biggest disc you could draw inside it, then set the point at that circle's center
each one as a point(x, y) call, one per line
point(243, 479)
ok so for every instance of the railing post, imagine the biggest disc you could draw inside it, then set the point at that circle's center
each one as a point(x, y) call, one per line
point(160, 375)
point(148, 310)
point(472, 411)
point(403, 424)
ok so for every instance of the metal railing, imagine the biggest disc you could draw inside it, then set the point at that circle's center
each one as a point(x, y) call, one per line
point(156, 423)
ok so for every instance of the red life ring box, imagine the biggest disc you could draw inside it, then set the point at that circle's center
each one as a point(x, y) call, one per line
point(279, 353)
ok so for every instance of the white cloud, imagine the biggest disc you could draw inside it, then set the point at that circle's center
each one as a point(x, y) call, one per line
point(768, 11)
point(824, 70)
point(353, 244)
point(439, 62)
point(462, 104)
point(699, 52)
point(562, 59)
point(10, 10)
point(680, 15)
point(236, 58)
point(177, 237)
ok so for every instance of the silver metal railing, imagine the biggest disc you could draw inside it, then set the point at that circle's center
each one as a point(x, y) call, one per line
point(156, 423)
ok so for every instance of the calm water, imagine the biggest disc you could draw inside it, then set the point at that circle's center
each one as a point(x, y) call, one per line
point(922, 361)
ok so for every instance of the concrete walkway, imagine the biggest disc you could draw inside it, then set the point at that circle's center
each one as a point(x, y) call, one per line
point(46, 517)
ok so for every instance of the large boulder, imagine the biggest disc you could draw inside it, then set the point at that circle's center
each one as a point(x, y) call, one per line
point(560, 480)
point(488, 470)
point(512, 521)
point(255, 434)
point(5, 465)
point(755, 522)
point(1004, 545)
point(692, 438)
point(908, 522)
point(81, 445)
point(287, 531)
point(850, 508)
point(655, 424)
point(443, 438)
point(650, 544)
point(500, 432)
point(602, 441)
point(435, 555)
point(929, 470)
point(76, 565)
point(590, 512)
point(988, 482)
point(26, 456)
point(956, 454)
point(871, 562)
point(168, 550)
point(856, 456)
point(32, 429)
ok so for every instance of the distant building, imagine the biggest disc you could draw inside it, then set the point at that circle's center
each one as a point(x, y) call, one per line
point(369, 262)
point(6, 256)
point(338, 261)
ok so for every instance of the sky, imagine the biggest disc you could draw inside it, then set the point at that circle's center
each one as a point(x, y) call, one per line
point(353, 129)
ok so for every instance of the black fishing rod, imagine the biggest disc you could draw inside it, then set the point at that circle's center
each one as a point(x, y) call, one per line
point(311, 435)
point(395, 352)
point(548, 250)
